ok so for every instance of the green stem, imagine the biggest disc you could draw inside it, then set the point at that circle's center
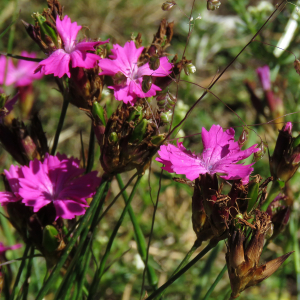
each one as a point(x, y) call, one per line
point(28, 274)
point(100, 271)
point(215, 283)
point(182, 271)
point(60, 122)
point(12, 295)
point(293, 230)
point(273, 192)
point(91, 154)
point(138, 236)
point(85, 221)
point(187, 257)
point(82, 275)
point(9, 236)
point(183, 262)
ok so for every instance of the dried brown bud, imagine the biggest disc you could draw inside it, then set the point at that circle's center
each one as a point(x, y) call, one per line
point(286, 157)
point(243, 263)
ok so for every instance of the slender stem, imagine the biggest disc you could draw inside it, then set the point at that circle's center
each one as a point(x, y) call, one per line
point(100, 271)
point(83, 224)
point(215, 283)
point(187, 257)
point(82, 275)
point(80, 251)
point(152, 228)
point(138, 236)
point(91, 154)
point(5, 289)
point(184, 262)
point(60, 122)
point(28, 274)
point(12, 295)
point(182, 271)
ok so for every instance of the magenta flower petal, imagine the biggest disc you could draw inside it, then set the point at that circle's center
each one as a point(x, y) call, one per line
point(68, 32)
point(125, 60)
point(68, 209)
point(22, 73)
point(220, 155)
point(57, 180)
point(58, 63)
point(7, 197)
point(3, 248)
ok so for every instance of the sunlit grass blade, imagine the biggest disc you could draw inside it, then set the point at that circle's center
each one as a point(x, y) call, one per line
point(139, 236)
point(100, 271)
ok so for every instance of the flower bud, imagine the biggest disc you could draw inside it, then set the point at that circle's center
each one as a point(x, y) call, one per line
point(98, 112)
point(286, 157)
point(147, 83)
point(49, 36)
point(166, 117)
point(136, 115)
point(243, 138)
point(213, 4)
point(154, 62)
point(168, 5)
point(189, 68)
point(260, 154)
point(119, 79)
point(50, 238)
point(166, 101)
point(253, 190)
point(113, 138)
point(139, 131)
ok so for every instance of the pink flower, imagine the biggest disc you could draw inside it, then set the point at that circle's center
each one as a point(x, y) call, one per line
point(20, 75)
point(125, 61)
point(220, 155)
point(55, 180)
point(74, 53)
point(264, 76)
point(3, 248)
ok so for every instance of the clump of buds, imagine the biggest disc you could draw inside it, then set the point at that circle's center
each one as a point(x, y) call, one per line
point(165, 103)
point(286, 157)
point(44, 33)
point(213, 4)
point(24, 143)
point(243, 261)
point(130, 137)
point(213, 211)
